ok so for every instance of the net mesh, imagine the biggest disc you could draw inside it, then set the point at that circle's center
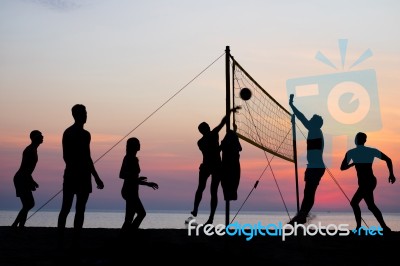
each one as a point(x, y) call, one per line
point(262, 121)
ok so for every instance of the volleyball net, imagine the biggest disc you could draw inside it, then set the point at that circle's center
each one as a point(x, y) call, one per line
point(262, 121)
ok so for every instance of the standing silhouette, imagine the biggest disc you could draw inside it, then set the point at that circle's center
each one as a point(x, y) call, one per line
point(129, 172)
point(362, 158)
point(79, 169)
point(23, 180)
point(210, 166)
point(315, 163)
point(231, 148)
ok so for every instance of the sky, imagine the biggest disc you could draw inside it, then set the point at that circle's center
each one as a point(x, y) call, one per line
point(138, 67)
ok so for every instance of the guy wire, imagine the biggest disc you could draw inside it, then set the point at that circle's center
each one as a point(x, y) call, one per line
point(144, 120)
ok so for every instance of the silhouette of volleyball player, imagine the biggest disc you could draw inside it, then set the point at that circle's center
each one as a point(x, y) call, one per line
point(315, 164)
point(210, 166)
point(129, 172)
point(231, 148)
point(23, 180)
point(362, 158)
point(79, 169)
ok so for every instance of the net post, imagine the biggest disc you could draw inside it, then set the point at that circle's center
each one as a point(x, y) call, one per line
point(295, 161)
point(228, 119)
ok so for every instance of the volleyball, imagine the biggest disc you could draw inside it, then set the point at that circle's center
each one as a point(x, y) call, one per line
point(245, 94)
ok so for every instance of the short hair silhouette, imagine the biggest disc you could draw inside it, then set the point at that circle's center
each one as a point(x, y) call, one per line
point(23, 180)
point(129, 172)
point(315, 163)
point(204, 127)
point(132, 144)
point(77, 110)
point(361, 138)
point(362, 158)
point(211, 165)
point(317, 120)
point(34, 134)
point(79, 169)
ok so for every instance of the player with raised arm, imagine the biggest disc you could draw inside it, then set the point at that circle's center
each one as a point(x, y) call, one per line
point(315, 163)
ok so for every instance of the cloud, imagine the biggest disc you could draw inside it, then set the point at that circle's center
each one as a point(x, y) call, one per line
point(58, 5)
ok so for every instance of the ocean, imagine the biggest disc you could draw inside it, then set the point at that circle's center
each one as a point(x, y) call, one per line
point(176, 219)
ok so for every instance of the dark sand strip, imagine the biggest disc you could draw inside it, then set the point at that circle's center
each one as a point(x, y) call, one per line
point(100, 246)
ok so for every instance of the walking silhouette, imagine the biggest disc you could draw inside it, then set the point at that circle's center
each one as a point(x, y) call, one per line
point(129, 172)
point(79, 169)
point(362, 157)
point(23, 180)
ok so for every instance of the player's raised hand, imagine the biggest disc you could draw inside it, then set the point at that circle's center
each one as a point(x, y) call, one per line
point(392, 179)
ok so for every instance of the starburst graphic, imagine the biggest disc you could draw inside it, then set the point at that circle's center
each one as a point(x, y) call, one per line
point(343, 52)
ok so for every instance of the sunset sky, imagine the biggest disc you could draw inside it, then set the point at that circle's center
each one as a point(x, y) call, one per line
point(125, 59)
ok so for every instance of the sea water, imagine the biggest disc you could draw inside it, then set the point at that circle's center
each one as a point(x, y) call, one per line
point(176, 219)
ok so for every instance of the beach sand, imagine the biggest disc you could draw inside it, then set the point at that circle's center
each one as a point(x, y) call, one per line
point(100, 246)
